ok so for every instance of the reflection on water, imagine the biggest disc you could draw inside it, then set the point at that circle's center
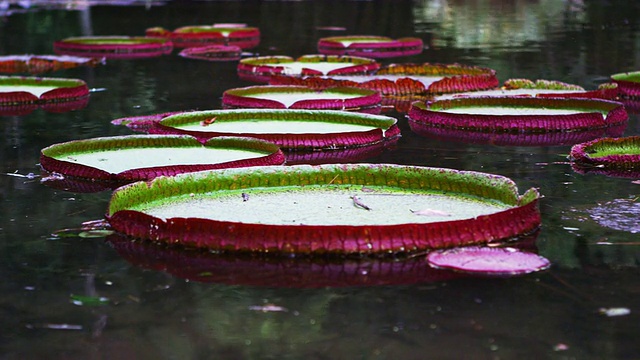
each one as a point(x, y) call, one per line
point(150, 312)
point(496, 25)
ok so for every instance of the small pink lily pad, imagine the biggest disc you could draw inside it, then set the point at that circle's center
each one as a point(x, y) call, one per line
point(619, 157)
point(488, 261)
point(370, 46)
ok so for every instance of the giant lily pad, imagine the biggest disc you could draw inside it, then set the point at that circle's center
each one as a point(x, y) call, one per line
point(113, 47)
point(300, 97)
point(488, 261)
point(519, 115)
point(405, 80)
point(36, 64)
point(370, 46)
point(300, 130)
point(122, 159)
point(611, 156)
point(261, 69)
point(628, 83)
point(20, 95)
point(540, 88)
point(241, 36)
point(213, 53)
point(357, 208)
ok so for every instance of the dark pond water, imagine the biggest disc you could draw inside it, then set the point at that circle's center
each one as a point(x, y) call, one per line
point(589, 232)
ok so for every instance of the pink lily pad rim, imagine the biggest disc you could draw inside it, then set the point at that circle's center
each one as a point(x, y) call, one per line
point(51, 156)
point(65, 91)
point(261, 68)
point(590, 114)
point(382, 129)
point(628, 83)
point(370, 46)
point(622, 156)
point(242, 98)
point(475, 260)
point(244, 37)
point(114, 46)
point(35, 64)
point(520, 218)
point(456, 78)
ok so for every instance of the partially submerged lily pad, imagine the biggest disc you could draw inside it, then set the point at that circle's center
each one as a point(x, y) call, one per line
point(36, 64)
point(494, 261)
point(519, 115)
point(401, 80)
point(237, 35)
point(261, 69)
point(300, 97)
point(213, 53)
point(540, 88)
point(143, 123)
point(292, 130)
point(628, 83)
point(610, 156)
point(113, 47)
point(20, 95)
point(356, 208)
point(370, 46)
point(122, 159)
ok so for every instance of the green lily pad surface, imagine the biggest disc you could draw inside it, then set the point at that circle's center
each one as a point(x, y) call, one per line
point(289, 129)
point(140, 157)
point(359, 208)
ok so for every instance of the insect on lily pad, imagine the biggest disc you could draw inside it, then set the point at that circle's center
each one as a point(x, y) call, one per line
point(619, 157)
point(122, 159)
point(113, 47)
point(261, 69)
point(292, 130)
point(300, 97)
point(36, 64)
point(319, 209)
point(519, 115)
point(370, 46)
point(493, 261)
point(20, 95)
point(238, 35)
